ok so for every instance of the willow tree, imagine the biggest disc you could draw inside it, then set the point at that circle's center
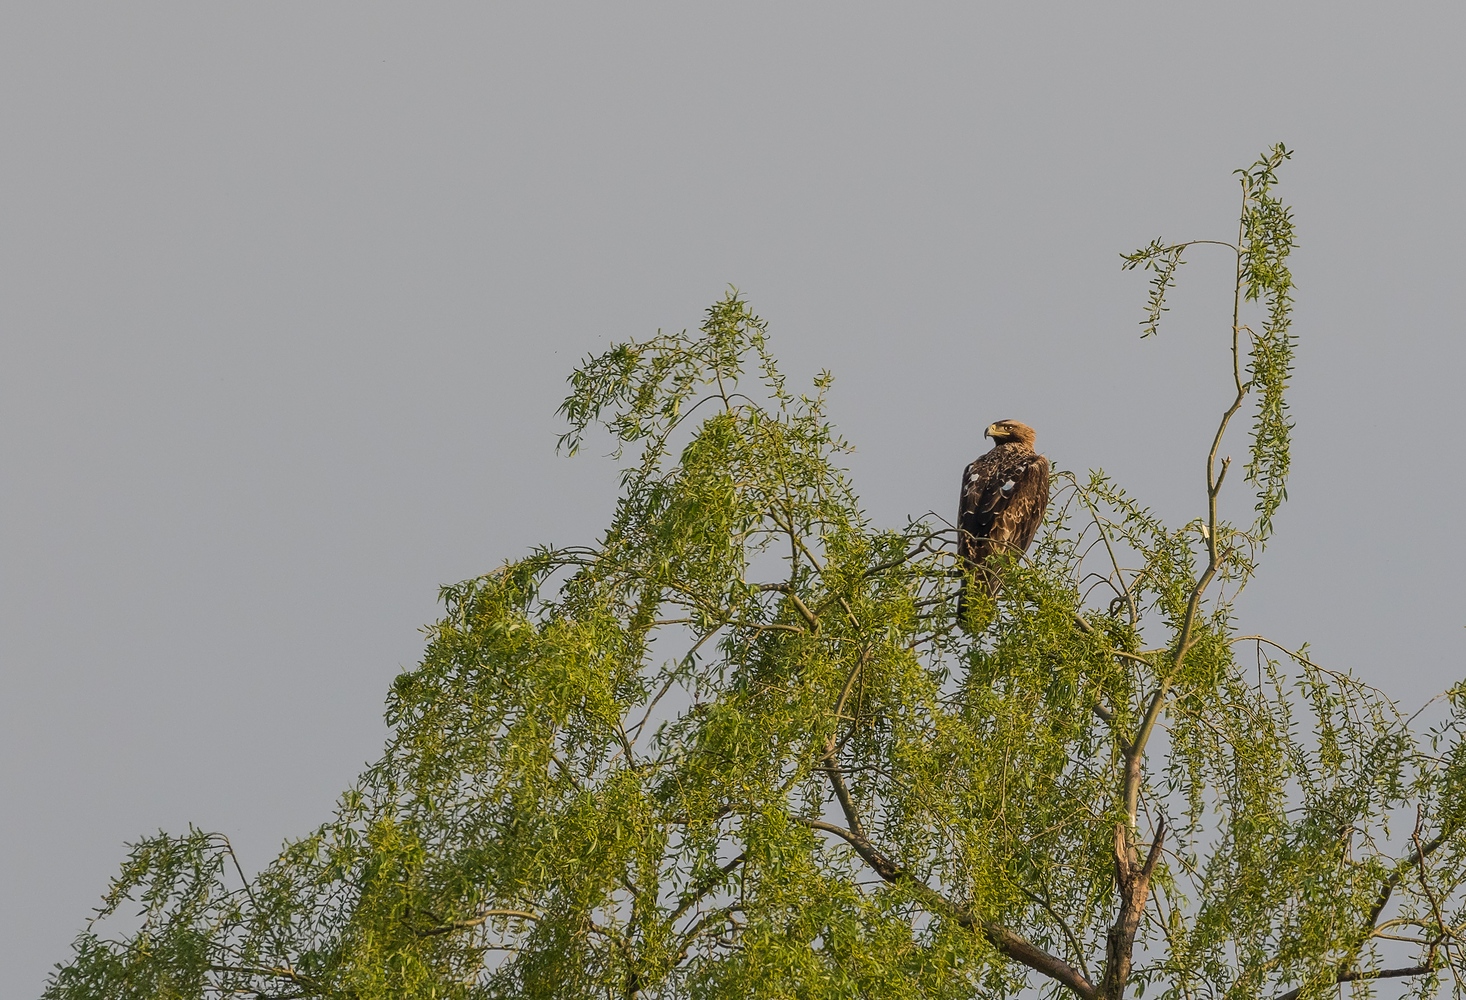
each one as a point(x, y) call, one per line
point(742, 747)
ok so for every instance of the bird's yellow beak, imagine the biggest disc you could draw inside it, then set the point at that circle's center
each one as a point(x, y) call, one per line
point(989, 432)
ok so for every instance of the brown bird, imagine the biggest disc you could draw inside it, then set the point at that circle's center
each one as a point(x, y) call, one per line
point(1004, 496)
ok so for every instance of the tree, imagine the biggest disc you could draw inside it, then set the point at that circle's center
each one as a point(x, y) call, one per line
point(743, 748)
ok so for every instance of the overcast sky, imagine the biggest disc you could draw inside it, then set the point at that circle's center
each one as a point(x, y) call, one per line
point(289, 292)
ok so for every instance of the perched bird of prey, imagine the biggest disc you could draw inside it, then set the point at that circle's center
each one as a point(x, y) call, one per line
point(1004, 496)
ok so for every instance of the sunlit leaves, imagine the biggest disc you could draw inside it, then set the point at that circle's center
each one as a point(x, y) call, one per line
point(1265, 239)
point(1162, 261)
point(1268, 239)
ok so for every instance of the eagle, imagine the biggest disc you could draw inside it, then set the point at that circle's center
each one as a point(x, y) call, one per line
point(1004, 496)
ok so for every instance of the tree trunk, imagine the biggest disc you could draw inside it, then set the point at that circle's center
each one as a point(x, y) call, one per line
point(1133, 883)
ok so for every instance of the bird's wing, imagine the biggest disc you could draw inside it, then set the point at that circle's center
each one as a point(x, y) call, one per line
point(1027, 504)
point(988, 486)
point(1004, 498)
point(972, 531)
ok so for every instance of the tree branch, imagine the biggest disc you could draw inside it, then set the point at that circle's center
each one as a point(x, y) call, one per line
point(907, 557)
point(788, 591)
point(695, 895)
point(1010, 943)
point(1063, 924)
point(1361, 976)
point(1435, 906)
point(1184, 636)
point(483, 916)
point(830, 762)
point(274, 972)
point(1416, 856)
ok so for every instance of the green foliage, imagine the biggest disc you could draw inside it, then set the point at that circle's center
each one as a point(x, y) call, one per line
point(1265, 239)
point(740, 747)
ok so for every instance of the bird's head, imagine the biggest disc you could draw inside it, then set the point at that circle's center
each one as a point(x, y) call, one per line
point(1010, 432)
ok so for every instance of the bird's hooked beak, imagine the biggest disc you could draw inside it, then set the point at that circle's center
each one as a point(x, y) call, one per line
point(989, 432)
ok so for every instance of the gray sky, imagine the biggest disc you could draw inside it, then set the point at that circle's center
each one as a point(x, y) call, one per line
point(288, 294)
